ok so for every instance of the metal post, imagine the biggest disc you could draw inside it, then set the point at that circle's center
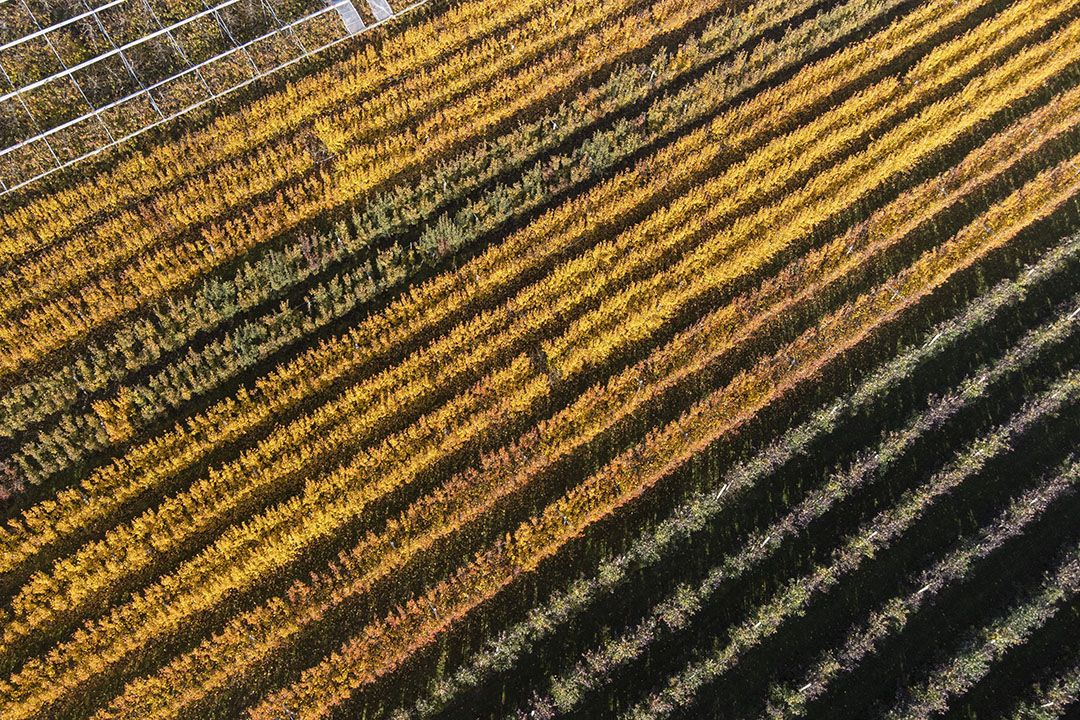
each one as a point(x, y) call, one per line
point(74, 80)
point(41, 31)
point(33, 120)
point(175, 44)
point(228, 33)
point(333, 5)
point(127, 63)
point(277, 21)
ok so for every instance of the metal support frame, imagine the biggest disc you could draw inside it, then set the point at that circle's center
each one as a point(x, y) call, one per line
point(115, 51)
point(232, 38)
point(147, 89)
point(33, 121)
point(63, 23)
point(175, 44)
point(63, 64)
point(332, 6)
point(277, 20)
point(127, 64)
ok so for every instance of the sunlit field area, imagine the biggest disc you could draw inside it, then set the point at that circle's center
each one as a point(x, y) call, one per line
point(508, 359)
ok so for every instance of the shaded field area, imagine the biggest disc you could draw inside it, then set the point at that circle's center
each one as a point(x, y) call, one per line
point(625, 359)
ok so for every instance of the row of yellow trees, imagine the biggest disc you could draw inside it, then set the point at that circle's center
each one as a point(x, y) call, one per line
point(138, 177)
point(384, 645)
point(535, 458)
point(151, 273)
point(407, 104)
point(163, 458)
point(997, 90)
point(656, 545)
point(351, 420)
point(64, 434)
point(152, 465)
